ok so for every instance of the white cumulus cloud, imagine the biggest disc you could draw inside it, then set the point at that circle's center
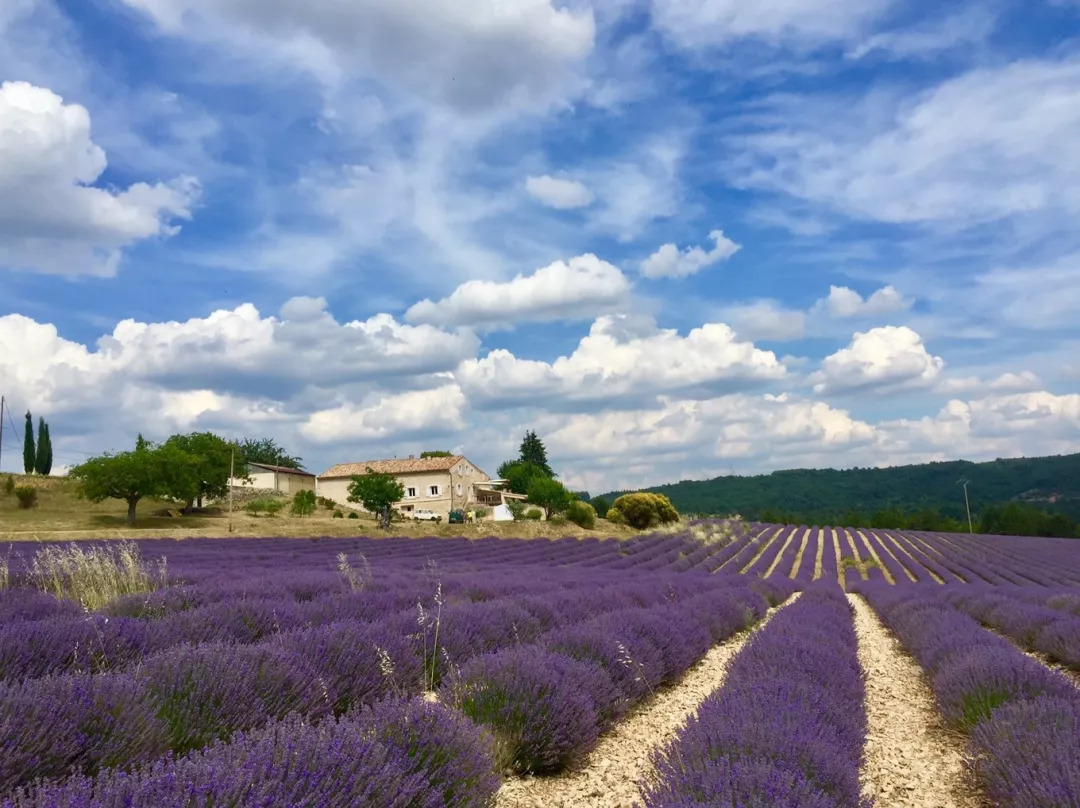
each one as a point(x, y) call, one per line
point(878, 360)
point(53, 219)
point(438, 410)
point(843, 302)
point(670, 262)
point(564, 290)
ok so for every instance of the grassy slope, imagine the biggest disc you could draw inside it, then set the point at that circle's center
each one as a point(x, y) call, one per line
point(829, 491)
point(61, 515)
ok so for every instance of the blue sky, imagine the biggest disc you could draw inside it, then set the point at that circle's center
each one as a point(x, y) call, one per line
point(679, 238)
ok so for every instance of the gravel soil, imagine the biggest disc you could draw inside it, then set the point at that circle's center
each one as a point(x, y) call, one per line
point(609, 777)
point(912, 759)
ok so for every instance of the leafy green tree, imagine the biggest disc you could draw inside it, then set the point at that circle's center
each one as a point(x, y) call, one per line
point(29, 453)
point(533, 451)
point(130, 476)
point(303, 503)
point(600, 505)
point(582, 514)
point(644, 510)
point(378, 493)
point(267, 452)
point(439, 453)
point(207, 472)
point(519, 474)
point(549, 494)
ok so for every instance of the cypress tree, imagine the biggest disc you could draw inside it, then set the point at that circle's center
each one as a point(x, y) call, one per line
point(46, 468)
point(533, 451)
point(42, 447)
point(29, 455)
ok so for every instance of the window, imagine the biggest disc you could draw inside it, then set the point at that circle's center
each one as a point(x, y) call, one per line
point(410, 492)
point(434, 491)
point(459, 489)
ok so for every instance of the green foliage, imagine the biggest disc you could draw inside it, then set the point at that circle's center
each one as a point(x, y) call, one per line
point(1020, 519)
point(519, 474)
point(582, 514)
point(203, 462)
point(43, 453)
point(516, 508)
point(480, 513)
point(438, 453)
point(826, 496)
point(267, 452)
point(615, 517)
point(303, 503)
point(558, 520)
point(354, 515)
point(27, 496)
point(549, 494)
point(533, 451)
point(29, 453)
point(148, 471)
point(377, 493)
point(9, 484)
point(270, 506)
point(600, 505)
point(645, 510)
point(329, 504)
point(533, 514)
point(339, 515)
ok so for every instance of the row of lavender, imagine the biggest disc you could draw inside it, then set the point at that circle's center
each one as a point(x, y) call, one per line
point(788, 726)
point(372, 644)
point(1022, 718)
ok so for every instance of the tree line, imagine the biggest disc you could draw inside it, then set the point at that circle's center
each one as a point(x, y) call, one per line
point(187, 469)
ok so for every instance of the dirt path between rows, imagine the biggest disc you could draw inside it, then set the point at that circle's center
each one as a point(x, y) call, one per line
point(609, 777)
point(912, 759)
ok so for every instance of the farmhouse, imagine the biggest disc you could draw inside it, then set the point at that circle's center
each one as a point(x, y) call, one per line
point(282, 479)
point(439, 484)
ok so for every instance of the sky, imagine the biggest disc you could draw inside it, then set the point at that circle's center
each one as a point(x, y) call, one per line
point(677, 238)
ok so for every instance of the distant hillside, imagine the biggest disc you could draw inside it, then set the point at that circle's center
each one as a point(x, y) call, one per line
point(1050, 483)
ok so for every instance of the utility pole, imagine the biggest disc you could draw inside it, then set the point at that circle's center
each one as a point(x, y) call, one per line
point(967, 505)
point(232, 472)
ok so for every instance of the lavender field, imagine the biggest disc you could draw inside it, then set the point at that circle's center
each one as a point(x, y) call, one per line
point(727, 664)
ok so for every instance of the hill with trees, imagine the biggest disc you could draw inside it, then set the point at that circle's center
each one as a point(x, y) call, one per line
point(894, 495)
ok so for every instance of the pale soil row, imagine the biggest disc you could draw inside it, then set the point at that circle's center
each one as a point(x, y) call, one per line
point(836, 550)
point(755, 538)
point(858, 556)
point(799, 554)
point(874, 537)
point(819, 570)
point(781, 555)
point(916, 564)
point(609, 777)
point(877, 559)
point(912, 759)
point(761, 550)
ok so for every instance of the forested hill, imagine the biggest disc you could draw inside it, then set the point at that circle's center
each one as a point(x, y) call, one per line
point(1050, 483)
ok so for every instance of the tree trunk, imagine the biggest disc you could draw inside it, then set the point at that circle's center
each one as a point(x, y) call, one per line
point(188, 505)
point(200, 501)
point(384, 518)
point(131, 510)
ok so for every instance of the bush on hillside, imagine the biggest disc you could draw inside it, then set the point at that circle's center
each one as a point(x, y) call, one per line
point(615, 517)
point(533, 514)
point(326, 503)
point(27, 496)
point(558, 520)
point(303, 503)
point(645, 510)
point(582, 514)
point(9, 484)
point(339, 515)
point(354, 515)
point(516, 508)
point(267, 505)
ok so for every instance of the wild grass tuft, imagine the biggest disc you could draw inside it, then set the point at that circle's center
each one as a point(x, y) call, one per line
point(95, 575)
point(359, 577)
point(5, 574)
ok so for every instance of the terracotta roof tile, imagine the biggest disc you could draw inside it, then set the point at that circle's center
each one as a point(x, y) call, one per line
point(402, 466)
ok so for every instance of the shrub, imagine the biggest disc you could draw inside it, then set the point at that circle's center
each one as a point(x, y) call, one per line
point(456, 757)
point(210, 691)
point(303, 503)
point(533, 514)
point(9, 484)
point(329, 504)
point(95, 575)
point(517, 509)
point(536, 704)
point(481, 512)
point(645, 510)
point(615, 517)
point(558, 520)
point(339, 515)
point(56, 726)
point(582, 514)
point(268, 505)
point(354, 515)
point(27, 496)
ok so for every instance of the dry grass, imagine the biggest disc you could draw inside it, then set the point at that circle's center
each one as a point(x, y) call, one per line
point(61, 516)
point(94, 576)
